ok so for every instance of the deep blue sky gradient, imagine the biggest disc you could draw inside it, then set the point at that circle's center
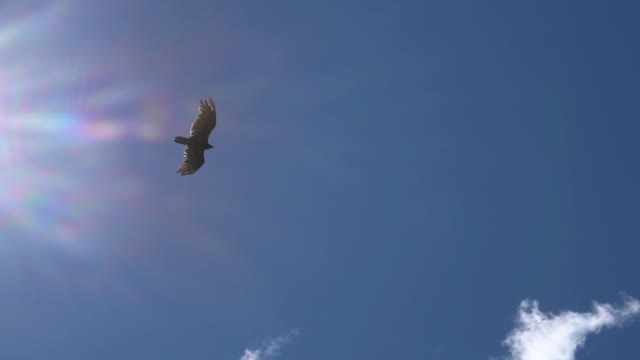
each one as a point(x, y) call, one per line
point(390, 178)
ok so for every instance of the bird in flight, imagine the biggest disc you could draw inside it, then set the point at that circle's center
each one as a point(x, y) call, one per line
point(198, 140)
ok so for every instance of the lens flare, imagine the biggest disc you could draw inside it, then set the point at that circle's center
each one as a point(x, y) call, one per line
point(60, 119)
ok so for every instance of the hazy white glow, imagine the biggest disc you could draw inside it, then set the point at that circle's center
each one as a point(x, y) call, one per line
point(53, 128)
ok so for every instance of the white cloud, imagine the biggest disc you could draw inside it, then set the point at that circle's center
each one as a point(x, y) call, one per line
point(251, 355)
point(270, 348)
point(547, 336)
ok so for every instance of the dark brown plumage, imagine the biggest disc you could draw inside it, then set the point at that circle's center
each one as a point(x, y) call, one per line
point(198, 141)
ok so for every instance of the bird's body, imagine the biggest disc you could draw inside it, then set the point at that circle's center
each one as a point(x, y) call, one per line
point(198, 141)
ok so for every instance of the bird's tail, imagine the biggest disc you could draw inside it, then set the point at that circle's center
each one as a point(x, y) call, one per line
point(181, 140)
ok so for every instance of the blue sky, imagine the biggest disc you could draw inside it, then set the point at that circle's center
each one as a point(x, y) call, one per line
point(390, 180)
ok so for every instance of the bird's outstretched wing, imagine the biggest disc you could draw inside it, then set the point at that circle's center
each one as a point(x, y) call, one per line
point(201, 128)
point(205, 122)
point(193, 160)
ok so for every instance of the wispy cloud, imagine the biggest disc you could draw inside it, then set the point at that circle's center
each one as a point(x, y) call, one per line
point(547, 336)
point(270, 348)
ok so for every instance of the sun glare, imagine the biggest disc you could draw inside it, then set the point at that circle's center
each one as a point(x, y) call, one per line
point(56, 123)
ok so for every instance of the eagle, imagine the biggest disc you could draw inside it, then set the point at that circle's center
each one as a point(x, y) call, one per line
point(198, 140)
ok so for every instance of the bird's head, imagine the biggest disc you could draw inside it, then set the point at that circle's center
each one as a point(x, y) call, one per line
point(209, 146)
